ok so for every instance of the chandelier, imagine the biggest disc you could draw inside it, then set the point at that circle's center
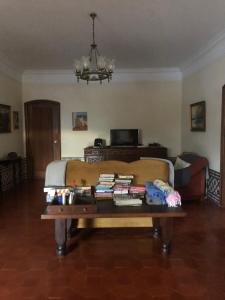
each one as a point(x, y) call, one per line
point(94, 67)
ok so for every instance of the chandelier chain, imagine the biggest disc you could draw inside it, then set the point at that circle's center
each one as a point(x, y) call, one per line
point(93, 29)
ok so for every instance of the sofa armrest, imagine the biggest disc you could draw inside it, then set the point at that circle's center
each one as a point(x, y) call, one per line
point(55, 173)
point(198, 165)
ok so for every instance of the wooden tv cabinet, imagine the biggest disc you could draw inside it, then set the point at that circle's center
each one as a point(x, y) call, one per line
point(127, 154)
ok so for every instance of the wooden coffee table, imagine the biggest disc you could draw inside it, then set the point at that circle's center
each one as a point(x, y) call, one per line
point(162, 217)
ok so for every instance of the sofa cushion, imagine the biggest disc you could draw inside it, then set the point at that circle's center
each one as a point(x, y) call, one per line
point(83, 173)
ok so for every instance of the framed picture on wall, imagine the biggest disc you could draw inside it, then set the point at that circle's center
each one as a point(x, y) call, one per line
point(79, 120)
point(198, 116)
point(15, 120)
point(5, 118)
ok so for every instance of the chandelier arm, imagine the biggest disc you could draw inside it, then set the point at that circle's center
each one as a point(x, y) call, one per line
point(96, 57)
point(98, 53)
point(90, 54)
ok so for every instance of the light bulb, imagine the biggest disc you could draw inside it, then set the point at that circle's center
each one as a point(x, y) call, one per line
point(101, 62)
point(111, 65)
point(85, 62)
point(77, 65)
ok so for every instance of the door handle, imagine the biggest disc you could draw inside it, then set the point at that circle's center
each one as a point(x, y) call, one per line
point(55, 142)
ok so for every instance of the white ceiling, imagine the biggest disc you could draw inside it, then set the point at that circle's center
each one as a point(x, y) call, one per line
point(49, 34)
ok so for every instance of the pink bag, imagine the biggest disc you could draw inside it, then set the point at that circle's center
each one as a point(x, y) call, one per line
point(173, 199)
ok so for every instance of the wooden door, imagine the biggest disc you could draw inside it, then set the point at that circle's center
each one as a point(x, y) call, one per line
point(43, 141)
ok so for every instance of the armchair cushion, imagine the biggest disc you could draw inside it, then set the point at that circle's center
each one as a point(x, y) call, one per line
point(182, 177)
point(181, 164)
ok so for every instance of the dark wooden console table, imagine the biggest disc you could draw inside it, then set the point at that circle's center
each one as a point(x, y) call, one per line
point(162, 217)
point(16, 164)
point(127, 154)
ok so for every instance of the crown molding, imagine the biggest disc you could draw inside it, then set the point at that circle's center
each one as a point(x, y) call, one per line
point(120, 75)
point(148, 74)
point(214, 50)
point(48, 76)
point(7, 68)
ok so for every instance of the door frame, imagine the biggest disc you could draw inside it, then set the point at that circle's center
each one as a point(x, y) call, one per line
point(30, 168)
point(222, 152)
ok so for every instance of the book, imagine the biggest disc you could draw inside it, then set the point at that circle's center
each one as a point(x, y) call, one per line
point(103, 196)
point(127, 202)
point(104, 191)
point(103, 187)
point(137, 188)
point(126, 176)
point(106, 182)
point(123, 181)
point(126, 199)
point(121, 191)
point(107, 175)
point(106, 179)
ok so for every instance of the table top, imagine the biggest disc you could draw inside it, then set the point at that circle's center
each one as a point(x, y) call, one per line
point(107, 209)
point(10, 160)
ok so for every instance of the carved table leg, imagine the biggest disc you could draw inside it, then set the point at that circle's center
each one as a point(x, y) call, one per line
point(60, 236)
point(69, 227)
point(166, 236)
point(156, 227)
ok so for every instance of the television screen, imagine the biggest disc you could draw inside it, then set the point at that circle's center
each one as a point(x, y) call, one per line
point(124, 137)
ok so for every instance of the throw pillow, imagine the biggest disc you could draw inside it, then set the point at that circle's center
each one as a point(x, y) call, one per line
point(181, 164)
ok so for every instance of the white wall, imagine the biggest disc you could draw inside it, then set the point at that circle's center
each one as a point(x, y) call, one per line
point(206, 85)
point(11, 94)
point(153, 107)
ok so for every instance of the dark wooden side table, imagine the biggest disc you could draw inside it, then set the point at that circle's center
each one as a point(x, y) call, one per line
point(162, 217)
point(15, 163)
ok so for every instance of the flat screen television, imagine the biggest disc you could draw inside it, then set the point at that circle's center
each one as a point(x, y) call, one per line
point(124, 137)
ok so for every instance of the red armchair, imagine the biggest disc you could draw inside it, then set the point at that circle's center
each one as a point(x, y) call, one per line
point(190, 182)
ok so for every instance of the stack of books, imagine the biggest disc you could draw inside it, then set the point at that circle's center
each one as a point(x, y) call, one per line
point(122, 184)
point(104, 189)
point(137, 191)
point(125, 194)
point(83, 191)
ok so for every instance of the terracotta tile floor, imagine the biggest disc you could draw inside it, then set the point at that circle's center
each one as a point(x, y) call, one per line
point(122, 264)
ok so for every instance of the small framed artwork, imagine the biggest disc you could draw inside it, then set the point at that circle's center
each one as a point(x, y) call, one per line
point(79, 120)
point(16, 120)
point(5, 118)
point(198, 116)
